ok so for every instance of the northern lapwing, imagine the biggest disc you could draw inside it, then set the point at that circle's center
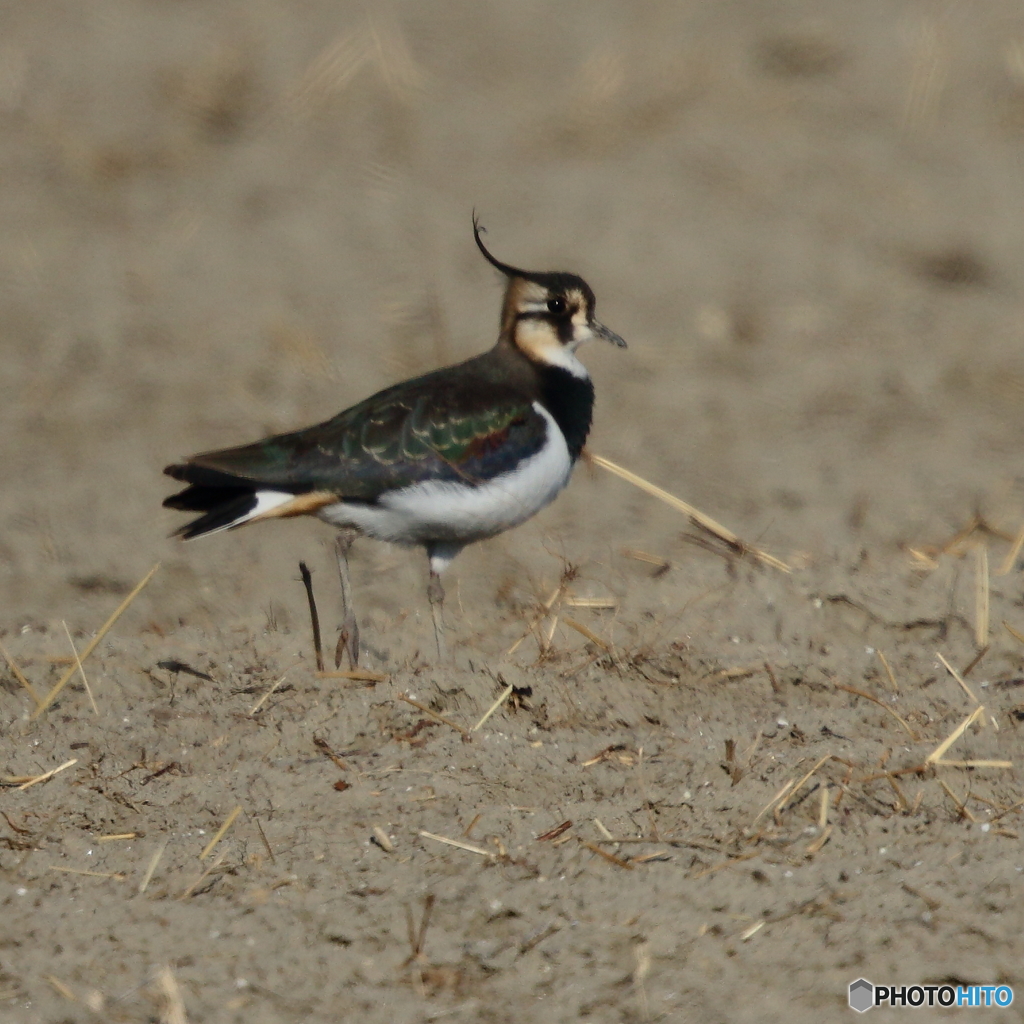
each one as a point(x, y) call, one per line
point(442, 460)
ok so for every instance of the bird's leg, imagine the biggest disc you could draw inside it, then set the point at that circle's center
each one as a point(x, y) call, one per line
point(435, 594)
point(348, 640)
point(440, 555)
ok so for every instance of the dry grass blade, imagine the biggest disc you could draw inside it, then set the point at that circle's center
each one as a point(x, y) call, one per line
point(221, 832)
point(1015, 633)
point(556, 596)
point(36, 779)
point(506, 693)
point(20, 677)
point(981, 595)
point(977, 763)
point(959, 678)
point(901, 797)
point(535, 940)
point(697, 516)
point(961, 805)
point(975, 661)
point(174, 1010)
point(662, 564)
point(458, 844)
point(94, 643)
point(363, 675)
point(546, 645)
point(554, 833)
point(81, 669)
point(433, 714)
point(92, 874)
point(1012, 555)
point(888, 671)
point(202, 878)
point(922, 559)
point(935, 756)
point(61, 988)
point(588, 633)
point(610, 857)
point(603, 603)
point(724, 864)
point(881, 704)
point(266, 696)
point(151, 867)
point(815, 845)
point(774, 802)
point(800, 785)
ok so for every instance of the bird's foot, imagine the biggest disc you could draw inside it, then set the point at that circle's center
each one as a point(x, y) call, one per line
point(348, 642)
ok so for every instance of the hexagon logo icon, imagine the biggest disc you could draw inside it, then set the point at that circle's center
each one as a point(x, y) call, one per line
point(862, 995)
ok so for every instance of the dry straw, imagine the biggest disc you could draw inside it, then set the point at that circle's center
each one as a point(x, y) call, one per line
point(1015, 633)
point(202, 878)
point(36, 779)
point(458, 844)
point(936, 755)
point(221, 832)
point(92, 874)
point(555, 598)
point(706, 522)
point(433, 714)
point(605, 855)
point(1012, 555)
point(152, 866)
point(174, 1008)
point(267, 695)
point(588, 633)
point(885, 707)
point(888, 671)
point(981, 594)
point(959, 678)
point(506, 693)
point(81, 669)
point(363, 675)
point(93, 644)
point(20, 676)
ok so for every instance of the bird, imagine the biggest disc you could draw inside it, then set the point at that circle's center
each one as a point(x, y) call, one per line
point(442, 460)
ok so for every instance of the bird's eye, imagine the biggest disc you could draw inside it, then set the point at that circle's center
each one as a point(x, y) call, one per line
point(556, 305)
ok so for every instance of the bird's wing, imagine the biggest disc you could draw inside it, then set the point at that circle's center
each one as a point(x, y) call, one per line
point(469, 431)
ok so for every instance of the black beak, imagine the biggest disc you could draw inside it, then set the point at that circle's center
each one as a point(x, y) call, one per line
point(603, 332)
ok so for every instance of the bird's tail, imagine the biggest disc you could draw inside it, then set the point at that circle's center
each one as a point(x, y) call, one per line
point(226, 501)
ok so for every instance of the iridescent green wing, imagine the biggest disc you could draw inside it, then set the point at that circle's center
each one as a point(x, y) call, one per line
point(429, 429)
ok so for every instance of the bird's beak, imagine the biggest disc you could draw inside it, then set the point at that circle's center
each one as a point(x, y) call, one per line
point(601, 331)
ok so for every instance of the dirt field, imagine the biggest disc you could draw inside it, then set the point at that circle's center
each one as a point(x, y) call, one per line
point(226, 219)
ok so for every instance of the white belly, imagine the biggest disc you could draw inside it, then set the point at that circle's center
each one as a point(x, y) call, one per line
point(456, 512)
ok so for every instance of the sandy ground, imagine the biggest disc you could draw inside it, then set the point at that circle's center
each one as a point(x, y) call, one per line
point(226, 219)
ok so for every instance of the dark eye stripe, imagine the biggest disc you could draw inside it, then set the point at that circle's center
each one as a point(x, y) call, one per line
point(562, 326)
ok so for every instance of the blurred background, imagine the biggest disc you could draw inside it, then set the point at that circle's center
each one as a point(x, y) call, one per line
point(221, 220)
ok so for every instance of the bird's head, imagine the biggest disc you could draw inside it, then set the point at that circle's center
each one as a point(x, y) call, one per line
point(547, 316)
